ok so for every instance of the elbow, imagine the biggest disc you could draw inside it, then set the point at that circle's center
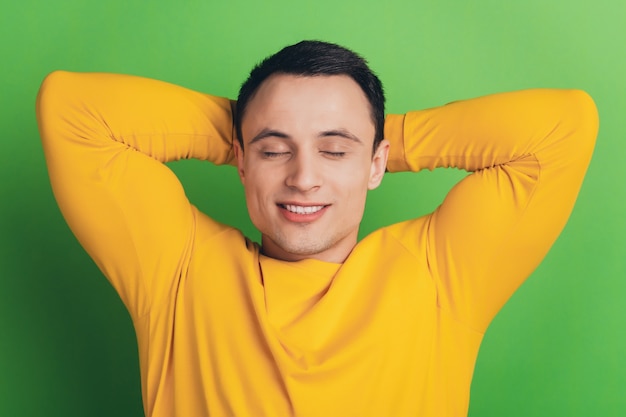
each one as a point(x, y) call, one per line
point(583, 113)
point(582, 120)
point(52, 101)
point(50, 91)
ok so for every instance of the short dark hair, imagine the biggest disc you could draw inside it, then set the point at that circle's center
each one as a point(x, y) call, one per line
point(316, 58)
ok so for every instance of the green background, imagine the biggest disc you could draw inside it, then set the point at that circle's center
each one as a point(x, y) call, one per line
point(558, 348)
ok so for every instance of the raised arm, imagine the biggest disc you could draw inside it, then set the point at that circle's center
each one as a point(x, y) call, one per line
point(105, 137)
point(528, 152)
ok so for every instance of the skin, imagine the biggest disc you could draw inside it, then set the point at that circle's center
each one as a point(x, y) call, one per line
point(308, 165)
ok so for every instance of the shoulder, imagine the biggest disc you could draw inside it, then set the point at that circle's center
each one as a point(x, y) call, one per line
point(213, 236)
point(407, 237)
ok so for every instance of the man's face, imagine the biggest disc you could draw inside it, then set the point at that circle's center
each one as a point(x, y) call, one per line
point(308, 164)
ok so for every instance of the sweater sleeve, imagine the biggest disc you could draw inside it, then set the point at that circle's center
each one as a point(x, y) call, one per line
point(105, 138)
point(527, 152)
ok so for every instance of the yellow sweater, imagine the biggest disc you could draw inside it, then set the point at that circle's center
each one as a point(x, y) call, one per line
point(394, 331)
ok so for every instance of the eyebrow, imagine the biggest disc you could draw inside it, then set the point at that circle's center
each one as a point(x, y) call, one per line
point(342, 133)
point(266, 133)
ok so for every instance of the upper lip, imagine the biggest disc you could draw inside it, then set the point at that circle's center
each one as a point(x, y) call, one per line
point(300, 204)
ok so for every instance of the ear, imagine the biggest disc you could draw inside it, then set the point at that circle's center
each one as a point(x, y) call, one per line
point(239, 156)
point(379, 164)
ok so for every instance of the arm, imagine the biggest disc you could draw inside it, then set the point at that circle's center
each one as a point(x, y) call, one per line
point(528, 152)
point(105, 137)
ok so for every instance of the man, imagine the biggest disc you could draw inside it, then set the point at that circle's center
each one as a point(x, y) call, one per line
point(310, 323)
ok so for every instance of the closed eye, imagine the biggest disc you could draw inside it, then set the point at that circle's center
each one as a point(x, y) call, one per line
point(270, 155)
point(334, 154)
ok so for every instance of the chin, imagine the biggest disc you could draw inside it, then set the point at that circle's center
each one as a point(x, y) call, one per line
point(304, 249)
point(295, 248)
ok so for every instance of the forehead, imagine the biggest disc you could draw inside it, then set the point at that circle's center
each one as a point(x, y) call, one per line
point(302, 105)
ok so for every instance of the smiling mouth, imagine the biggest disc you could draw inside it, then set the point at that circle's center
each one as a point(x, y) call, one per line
point(302, 209)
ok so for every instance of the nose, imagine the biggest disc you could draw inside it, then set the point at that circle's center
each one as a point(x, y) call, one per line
point(304, 174)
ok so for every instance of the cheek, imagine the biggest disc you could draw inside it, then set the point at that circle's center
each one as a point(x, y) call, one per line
point(260, 186)
point(256, 209)
point(255, 191)
point(353, 188)
point(355, 177)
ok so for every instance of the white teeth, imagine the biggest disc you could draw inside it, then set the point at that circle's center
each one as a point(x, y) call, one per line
point(302, 209)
